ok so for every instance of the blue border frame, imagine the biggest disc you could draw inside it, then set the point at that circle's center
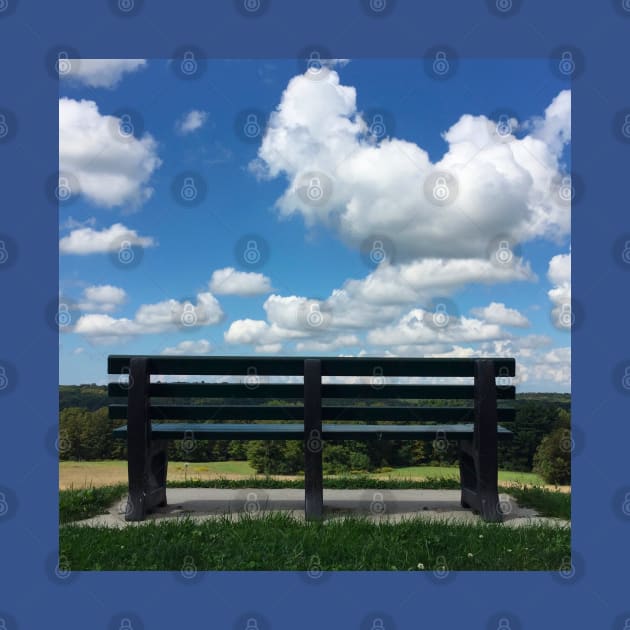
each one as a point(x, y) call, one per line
point(593, 594)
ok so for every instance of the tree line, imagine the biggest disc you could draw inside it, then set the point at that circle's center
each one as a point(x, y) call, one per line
point(541, 441)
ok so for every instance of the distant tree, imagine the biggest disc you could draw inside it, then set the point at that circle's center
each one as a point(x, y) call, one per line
point(272, 457)
point(534, 420)
point(345, 457)
point(552, 460)
point(84, 434)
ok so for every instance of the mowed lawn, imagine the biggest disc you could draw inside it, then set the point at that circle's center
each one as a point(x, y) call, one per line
point(110, 472)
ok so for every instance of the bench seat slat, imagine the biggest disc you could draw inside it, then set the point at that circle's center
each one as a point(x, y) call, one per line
point(175, 431)
point(269, 412)
point(294, 366)
point(329, 390)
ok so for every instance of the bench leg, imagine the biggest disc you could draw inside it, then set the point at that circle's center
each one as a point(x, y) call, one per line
point(313, 442)
point(478, 463)
point(156, 474)
point(479, 486)
point(467, 474)
point(138, 438)
point(313, 479)
point(147, 459)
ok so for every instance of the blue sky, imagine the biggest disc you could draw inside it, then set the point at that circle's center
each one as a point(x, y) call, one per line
point(373, 186)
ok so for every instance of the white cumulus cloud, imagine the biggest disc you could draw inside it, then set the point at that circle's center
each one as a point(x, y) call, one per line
point(376, 188)
point(498, 313)
point(112, 169)
point(229, 281)
point(104, 298)
point(559, 274)
point(197, 346)
point(87, 240)
point(101, 73)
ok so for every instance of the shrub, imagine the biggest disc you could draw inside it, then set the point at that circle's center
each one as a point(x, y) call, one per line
point(552, 460)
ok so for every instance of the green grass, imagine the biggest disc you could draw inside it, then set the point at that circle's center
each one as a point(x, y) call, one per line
point(225, 468)
point(354, 482)
point(280, 542)
point(75, 505)
point(453, 472)
point(545, 502)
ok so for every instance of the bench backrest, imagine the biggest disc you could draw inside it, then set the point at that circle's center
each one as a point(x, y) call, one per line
point(338, 401)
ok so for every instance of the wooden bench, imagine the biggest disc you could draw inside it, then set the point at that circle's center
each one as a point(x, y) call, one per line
point(328, 411)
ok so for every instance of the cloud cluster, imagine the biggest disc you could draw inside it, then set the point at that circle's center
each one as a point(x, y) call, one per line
point(161, 317)
point(112, 167)
point(502, 185)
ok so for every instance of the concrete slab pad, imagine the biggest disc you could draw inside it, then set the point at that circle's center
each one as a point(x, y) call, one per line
point(200, 504)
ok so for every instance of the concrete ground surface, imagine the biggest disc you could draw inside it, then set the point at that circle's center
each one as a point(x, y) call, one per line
point(201, 504)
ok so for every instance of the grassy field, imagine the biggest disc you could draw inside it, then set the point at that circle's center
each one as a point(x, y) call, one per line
point(107, 473)
point(425, 472)
point(280, 542)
